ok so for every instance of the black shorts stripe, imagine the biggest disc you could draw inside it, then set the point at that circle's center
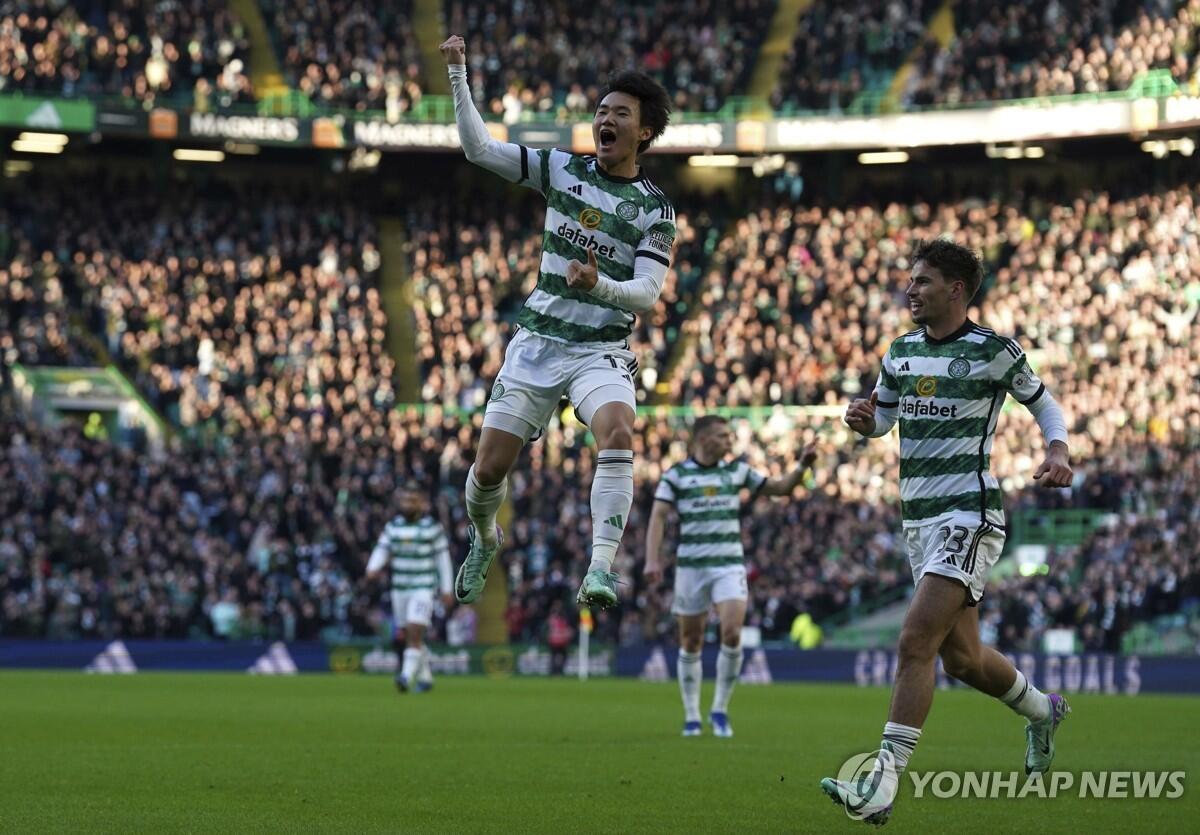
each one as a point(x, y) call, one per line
point(654, 255)
point(969, 562)
point(524, 164)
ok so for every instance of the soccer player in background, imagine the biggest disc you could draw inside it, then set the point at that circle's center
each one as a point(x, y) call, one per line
point(706, 491)
point(414, 548)
point(606, 250)
point(945, 382)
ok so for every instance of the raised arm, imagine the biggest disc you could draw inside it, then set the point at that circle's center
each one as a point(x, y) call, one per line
point(515, 163)
point(785, 484)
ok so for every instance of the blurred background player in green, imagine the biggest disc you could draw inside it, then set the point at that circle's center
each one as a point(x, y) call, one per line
point(414, 549)
point(706, 491)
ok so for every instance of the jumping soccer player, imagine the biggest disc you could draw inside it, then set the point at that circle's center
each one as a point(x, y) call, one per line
point(606, 250)
point(414, 548)
point(946, 382)
point(706, 492)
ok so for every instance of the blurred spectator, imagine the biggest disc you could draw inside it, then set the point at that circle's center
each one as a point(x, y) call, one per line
point(1032, 49)
point(349, 53)
point(840, 50)
point(552, 58)
point(146, 52)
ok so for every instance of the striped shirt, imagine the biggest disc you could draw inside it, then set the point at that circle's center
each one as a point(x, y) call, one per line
point(949, 392)
point(417, 553)
point(708, 500)
point(621, 219)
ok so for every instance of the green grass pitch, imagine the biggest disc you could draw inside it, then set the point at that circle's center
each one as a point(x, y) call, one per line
point(323, 753)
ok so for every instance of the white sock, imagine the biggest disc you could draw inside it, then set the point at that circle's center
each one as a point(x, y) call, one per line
point(412, 659)
point(903, 739)
point(612, 496)
point(690, 674)
point(1027, 700)
point(482, 505)
point(424, 670)
point(729, 667)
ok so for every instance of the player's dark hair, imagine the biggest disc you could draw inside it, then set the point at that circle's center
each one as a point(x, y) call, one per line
point(705, 421)
point(654, 103)
point(954, 261)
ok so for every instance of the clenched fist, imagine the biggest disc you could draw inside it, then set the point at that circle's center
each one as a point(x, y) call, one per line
point(455, 50)
point(583, 276)
point(860, 415)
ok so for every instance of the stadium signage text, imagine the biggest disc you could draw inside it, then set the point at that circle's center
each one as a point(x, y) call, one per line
point(707, 136)
point(1181, 111)
point(249, 128)
point(379, 134)
point(1074, 673)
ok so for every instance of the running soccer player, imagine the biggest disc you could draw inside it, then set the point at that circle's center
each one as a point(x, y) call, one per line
point(413, 547)
point(706, 491)
point(945, 382)
point(606, 250)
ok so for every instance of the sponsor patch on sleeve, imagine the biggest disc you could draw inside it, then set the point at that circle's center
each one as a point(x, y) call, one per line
point(660, 241)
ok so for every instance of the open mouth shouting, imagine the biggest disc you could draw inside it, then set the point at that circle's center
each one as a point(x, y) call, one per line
point(607, 137)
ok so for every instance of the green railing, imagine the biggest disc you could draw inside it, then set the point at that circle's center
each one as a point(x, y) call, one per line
point(757, 415)
point(1052, 527)
point(440, 109)
point(1153, 84)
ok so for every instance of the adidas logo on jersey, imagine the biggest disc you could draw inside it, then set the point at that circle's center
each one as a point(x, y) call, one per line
point(577, 190)
point(904, 368)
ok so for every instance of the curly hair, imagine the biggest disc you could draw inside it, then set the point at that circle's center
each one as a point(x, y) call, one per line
point(954, 261)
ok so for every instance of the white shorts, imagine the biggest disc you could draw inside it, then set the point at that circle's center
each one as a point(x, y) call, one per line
point(538, 372)
point(961, 548)
point(698, 588)
point(412, 607)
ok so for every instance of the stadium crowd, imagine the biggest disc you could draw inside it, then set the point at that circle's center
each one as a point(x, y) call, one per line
point(260, 339)
point(840, 50)
point(192, 52)
point(1032, 49)
point(349, 53)
point(553, 57)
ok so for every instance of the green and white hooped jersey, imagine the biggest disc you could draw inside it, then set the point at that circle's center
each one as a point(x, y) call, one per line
point(708, 500)
point(417, 553)
point(621, 219)
point(949, 393)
